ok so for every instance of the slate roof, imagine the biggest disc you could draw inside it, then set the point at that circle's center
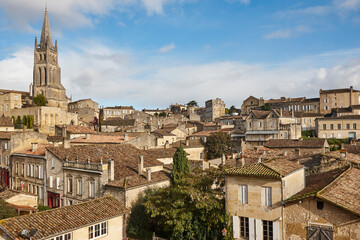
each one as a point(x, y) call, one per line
point(276, 169)
point(344, 191)
point(6, 122)
point(289, 143)
point(61, 220)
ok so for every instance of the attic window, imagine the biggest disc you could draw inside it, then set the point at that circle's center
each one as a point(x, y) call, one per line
point(320, 205)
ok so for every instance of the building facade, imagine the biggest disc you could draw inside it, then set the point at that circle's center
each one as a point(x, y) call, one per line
point(214, 108)
point(338, 127)
point(338, 98)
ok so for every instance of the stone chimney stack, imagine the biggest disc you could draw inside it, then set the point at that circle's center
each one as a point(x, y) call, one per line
point(64, 130)
point(87, 136)
point(111, 169)
point(141, 164)
point(281, 114)
point(126, 137)
point(34, 146)
point(243, 161)
point(148, 174)
point(167, 145)
point(343, 153)
point(66, 143)
point(187, 142)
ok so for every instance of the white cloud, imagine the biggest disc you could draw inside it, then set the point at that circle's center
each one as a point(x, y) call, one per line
point(112, 76)
point(288, 33)
point(241, 1)
point(167, 48)
point(154, 6)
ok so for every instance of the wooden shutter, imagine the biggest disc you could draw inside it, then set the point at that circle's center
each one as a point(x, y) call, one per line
point(276, 230)
point(251, 228)
point(51, 181)
point(258, 228)
point(236, 227)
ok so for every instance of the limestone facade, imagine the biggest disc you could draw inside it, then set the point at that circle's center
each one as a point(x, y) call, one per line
point(338, 127)
point(87, 109)
point(214, 108)
point(338, 98)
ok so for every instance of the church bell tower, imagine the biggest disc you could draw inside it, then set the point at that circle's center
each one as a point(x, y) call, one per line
point(47, 73)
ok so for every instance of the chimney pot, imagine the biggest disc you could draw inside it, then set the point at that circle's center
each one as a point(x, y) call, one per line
point(126, 137)
point(141, 164)
point(148, 174)
point(66, 143)
point(34, 146)
point(111, 169)
point(187, 142)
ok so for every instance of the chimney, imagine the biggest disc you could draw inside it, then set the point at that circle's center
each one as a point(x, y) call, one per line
point(242, 161)
point(292, 113)
point(167, 145)
point(281, 112)
point(148, 174)
point(141, 164)
point(34, 146)
point(64, 130)
point(111, 169)
point(187, 142)
point(343, 153)
point(87, 136)
point(351, 91)
point(223, 159)
point(126, 137)
point(66, 143)
point(297, 152)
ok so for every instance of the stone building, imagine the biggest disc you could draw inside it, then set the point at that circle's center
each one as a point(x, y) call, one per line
point(6, 125)
point(116, 124)
point(307, 120)
point(299, 146)
point(214, 108)
point(338, 127)
point(254, 195)
point(11, 99)
point(262, 126)
point(73, 131)
point(28, 171)
point(327, 208)
point(338, 98)
point(47, 73)
point(101, 218)
point(84, 172)
point(117, 112)
point(87, 109)
point(301, 104)
point(251, 103)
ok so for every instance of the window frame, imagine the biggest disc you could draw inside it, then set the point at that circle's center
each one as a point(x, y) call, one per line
point(98, 230)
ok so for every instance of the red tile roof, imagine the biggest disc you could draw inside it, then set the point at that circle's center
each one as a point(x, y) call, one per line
point(77, 129)
point(65, 219)
point(41, 149)
point(289, 143)
point(6, 122)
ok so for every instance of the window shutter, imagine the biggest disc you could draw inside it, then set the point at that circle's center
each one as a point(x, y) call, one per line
point(276, 230)
point(236, 227)
point(251, 228)
point(269, 197)
point(263, 196)
point(57, 183)
point(51, 181)
point(258, 228)
point(246, 194)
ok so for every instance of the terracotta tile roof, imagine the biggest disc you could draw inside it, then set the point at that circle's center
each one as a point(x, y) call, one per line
point(6, 135)
point(341, 90)
point(139, 180)
point(284, 113)
point(2, 91)
point(276, 168)
point(314, 183)
point(61, 220)
point(284, 100)
point(254, 170)
point(120, 107)
point(102, 139)
point(55, 138)
point(202, 134)
point(350, 148)
point(163, 132)
point(74, 129)
point(344, 191)
point(192, 144)
point(8, 194)
point(289, 143)
point(125, 156)
point(260, 114)
point(39, 152)
point(6, 122)
point(119, 122)
point(306, 114)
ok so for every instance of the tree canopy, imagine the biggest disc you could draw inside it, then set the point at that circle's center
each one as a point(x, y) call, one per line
point(180, 165)
point(192, 103)
point(194, 209)
point(6, 210)
point(217, 144)
point(40, 100)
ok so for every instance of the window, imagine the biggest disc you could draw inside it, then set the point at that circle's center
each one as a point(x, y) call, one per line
point(324, 135)
point(92, 190)
point(41, 172)
point(32, 170)
point(339, 126)
point(250, 124)
point(79, 187)
point(53, 162)
point(22, 169)
point(331, 126)
point(244, 227)
point(28, 170)
point(317, 231)
point(6, 145)
point(266, 196)
point(70, 185)
point(243, 194)
point(98, 230)
point(0, 159)
point(267, 230)
point(66, 236)
point(17, 168)
point(260, 124)
point(201, 155)
point(348, 126)
point(354, 126)
point(57, 183)
point(319, 205)
point(324, 126)
point(51, 181)
point(41, 193)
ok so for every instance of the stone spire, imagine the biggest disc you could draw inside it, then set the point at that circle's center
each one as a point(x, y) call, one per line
point(46, 40)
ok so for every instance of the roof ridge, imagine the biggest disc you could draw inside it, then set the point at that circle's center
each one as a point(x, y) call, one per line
point(269, 160)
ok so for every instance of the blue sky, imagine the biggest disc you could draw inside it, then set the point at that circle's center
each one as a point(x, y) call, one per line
point(151, 53)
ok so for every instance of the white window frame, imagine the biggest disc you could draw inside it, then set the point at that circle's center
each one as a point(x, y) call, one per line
point(100, 228)
point(92, 189)
point(66, 236)
point(57, 183)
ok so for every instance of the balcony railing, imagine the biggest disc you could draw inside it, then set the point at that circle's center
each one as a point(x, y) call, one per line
point(82, 165)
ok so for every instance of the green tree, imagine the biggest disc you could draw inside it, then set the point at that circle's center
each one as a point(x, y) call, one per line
point(6, 210)
point(266, 107)
point(192, 103)
point(24, 120)
point(194, 209)
point(43, 208)
point(232, 109)
point(40, 100)
point(180, 165)
point(162, 114)
point(31, 121)
point(217, 144)
point(18, 122)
